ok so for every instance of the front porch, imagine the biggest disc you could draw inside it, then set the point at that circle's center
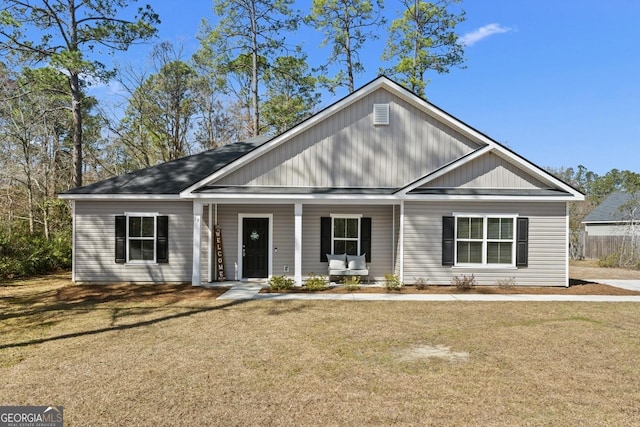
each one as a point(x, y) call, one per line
point(292, 240)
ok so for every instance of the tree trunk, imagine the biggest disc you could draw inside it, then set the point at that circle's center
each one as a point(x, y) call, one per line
point(76, 111)
point(254, 71)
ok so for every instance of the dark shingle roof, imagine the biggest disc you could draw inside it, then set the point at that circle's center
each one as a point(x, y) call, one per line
point(174, 176)
point(610, 209)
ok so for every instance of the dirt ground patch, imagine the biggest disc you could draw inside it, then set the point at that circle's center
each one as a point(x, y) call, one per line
point(588, 269)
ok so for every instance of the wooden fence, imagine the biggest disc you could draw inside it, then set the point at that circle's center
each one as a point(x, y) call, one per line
point(596, 247)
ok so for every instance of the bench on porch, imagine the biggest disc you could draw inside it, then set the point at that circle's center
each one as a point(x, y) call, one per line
point(347, 265)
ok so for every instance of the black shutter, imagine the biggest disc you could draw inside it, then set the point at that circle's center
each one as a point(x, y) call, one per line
point(522, 242)
point(325, 238)
point(365, 238)
point(448, 239)
point(162, 239)
point(121, 239)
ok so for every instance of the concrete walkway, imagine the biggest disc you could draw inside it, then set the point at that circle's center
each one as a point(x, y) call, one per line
point(247, 291)
point(633, 285)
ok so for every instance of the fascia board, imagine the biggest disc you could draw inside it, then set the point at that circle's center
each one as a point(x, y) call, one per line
point(277, 141)
point(439, 197)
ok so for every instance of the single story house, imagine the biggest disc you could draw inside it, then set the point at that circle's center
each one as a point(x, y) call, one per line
point(611, 225)
point(382, 174)
point(613, 217)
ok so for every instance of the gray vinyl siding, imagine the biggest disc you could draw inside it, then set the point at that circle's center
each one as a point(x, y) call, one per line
point(608, 229)
point(488, 171)
point(382, 244)
point(95, 243)
point(547, 243)
point(347, 150)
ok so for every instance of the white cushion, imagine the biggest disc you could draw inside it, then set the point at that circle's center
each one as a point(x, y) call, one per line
point(357, 262)
point(337, 262)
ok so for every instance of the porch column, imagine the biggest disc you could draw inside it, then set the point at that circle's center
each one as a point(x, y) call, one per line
point(297, 260)
point(197, 230)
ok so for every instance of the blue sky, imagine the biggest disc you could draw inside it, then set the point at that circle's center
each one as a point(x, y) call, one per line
point(556, 81)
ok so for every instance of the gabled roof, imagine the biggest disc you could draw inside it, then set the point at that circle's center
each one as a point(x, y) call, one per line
point(612, 209)
point(202, 175)
point(484, 143)
point(172, 177)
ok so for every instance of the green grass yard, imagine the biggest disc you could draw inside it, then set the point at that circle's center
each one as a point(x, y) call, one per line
point(163, 355)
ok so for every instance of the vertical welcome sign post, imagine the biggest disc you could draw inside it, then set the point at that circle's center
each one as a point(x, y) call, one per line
point(219, 257)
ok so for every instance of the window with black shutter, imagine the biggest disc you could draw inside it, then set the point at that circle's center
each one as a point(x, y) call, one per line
point(141, 238)
point(347, 234)
point(485, 240)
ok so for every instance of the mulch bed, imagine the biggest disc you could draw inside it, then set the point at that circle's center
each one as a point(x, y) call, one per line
point(583, 288)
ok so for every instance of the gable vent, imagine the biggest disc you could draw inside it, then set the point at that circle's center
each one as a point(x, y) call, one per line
point(380, 114)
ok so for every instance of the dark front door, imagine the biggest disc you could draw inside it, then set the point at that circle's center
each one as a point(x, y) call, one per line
point(255, 243)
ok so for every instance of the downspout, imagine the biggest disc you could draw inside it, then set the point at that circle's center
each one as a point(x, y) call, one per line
point(401, 255)
point(73, 241)
point(566, 246)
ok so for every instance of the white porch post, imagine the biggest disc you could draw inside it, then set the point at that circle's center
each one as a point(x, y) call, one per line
point(197, 230)
point(297, 260)
point(209, 244)
point(401, 237)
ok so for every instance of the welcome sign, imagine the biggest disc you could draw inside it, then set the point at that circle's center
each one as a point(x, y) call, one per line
point(219, 257)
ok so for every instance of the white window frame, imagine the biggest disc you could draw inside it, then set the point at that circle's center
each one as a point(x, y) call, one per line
point(486, 240)
point(129, 215)
point(334, 238)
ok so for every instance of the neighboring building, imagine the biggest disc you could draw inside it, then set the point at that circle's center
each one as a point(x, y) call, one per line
point(610, 218)
point(381, 172)
point(609, 226)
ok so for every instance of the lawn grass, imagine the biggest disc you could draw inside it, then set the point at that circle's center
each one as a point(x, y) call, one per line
point(157, 356)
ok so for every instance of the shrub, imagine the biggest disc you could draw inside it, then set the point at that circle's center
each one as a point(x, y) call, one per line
point(23, 254)
point(464, 283)
point(506, 283)
point(352, 283)
point(392, 282)
point(277, 283)
point(315, 283)
point(610, 261)
point(421, 283)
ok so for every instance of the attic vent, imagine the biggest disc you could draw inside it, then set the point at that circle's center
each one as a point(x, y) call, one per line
point(380, 114)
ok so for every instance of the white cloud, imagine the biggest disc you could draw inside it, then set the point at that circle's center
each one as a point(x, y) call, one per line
point(474, 37)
